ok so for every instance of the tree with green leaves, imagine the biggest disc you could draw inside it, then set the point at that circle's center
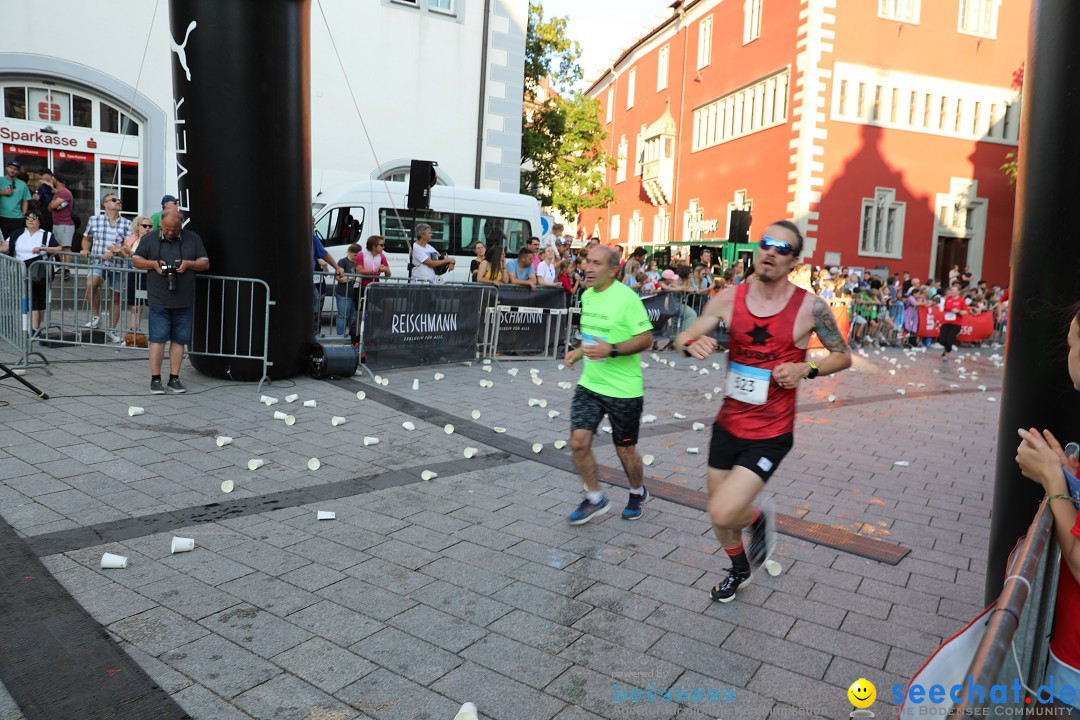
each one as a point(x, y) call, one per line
point(563, 161)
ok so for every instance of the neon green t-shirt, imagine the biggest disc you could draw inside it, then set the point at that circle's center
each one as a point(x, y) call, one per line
point(614, 316)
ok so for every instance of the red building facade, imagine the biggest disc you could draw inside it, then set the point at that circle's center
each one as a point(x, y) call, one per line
point(879, 126)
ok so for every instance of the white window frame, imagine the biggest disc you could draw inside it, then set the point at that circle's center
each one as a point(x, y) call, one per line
point(906, 11)
point(661, 226)
point(616, 227)
point(980, 9)
point(410, 3)
point(639, 151)
point(758, 106)
point(610, 103)
point(635, 231)
point(663, 60)
point(433, 7)
point(620, 167)
point(704, 40)
point(879, 206)
point(752, 10)
point(631, 86)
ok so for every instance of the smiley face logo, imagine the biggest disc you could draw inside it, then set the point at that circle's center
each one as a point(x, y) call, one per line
point(862, 693)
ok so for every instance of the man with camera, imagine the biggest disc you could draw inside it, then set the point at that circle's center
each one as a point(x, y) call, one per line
point(174, 255)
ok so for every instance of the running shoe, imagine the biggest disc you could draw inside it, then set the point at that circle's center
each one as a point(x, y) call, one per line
point(762, 535)
point(114, 337)
point(94, 323)
point(176, 386)
point(156, 387)
point(725, 591)
point(587, 510)
point(632, 511)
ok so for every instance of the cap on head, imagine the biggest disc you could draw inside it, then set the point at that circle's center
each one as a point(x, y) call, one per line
point(45, 171)
point(168, 199)
point(14, 162)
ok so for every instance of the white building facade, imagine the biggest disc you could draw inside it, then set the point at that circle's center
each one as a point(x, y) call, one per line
point(87, 91)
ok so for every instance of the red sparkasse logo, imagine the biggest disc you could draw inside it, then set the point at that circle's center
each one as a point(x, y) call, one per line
point(11, 135)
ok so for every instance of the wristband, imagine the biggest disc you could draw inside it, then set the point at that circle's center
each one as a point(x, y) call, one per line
point(813, 370)
point(1060, 496)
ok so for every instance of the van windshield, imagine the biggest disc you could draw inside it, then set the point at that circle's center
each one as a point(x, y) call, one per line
point(454, 233)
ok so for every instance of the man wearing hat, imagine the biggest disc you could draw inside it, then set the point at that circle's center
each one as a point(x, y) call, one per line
point(168, 202)
point(14, 199)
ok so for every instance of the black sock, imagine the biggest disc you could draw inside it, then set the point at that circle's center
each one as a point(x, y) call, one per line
point(173, 377)
point(155, 377)
point(739, 563)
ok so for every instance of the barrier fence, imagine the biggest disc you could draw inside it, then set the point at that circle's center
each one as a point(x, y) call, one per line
point(15, 307)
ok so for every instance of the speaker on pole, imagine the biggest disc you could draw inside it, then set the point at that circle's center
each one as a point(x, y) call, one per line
point(739, 226)
point(421, 179)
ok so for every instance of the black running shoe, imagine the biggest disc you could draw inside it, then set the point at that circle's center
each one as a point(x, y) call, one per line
point(176, 386)
point(725, 591)
point(156, 388)
point(762, 535)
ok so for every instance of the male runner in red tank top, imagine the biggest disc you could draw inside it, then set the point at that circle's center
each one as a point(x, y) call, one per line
point(769, 320)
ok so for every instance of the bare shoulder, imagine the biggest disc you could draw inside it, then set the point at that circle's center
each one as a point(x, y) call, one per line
point(720, 305)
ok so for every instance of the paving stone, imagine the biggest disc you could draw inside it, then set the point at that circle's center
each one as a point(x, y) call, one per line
point(626, 666)
point(705, 658)
point(220, 665)
point(501, 697)
point(388, 576)
point(466, 576)
point(270, 593)
point(595, 693)
point(334, 622)
point(201, 703)
point(461, 603)
point(668, 592)
point(487, 537)
point(404, 654)
point(616, 629)
point(552, 579)
point(800, 691)
point(437, 627)
point(158, 630)
point(626, 604)
point(362, 597)
point(841, 642)
point(761, 646)
point(328, 553)
point(541, 602)
point(289, 698)
point(421, 537)
point(618, 576)
point(269, 560)
point(255, 629)
point(166, 677)
point(403, 554)
point(482, 557)
point(546, 555)
point(324, 665)
point(850, 601)
point(535, 631)
point(387, 696)
point(723, 700)
point(793, 606)
point(515, 660)
point(313, 577)
point(691, 624)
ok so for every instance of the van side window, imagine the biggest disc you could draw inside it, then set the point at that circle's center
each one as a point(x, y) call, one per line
point(397, 228)
point(511, 234)
point(341, 226)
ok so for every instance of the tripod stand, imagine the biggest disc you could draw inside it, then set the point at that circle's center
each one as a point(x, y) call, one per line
point(6, 372)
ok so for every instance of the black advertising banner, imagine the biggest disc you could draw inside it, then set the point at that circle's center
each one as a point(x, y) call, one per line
point(661, 309)
point(420, 324)
point(523, 331)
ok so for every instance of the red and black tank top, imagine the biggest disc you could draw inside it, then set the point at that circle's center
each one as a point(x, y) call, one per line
point(755, 407)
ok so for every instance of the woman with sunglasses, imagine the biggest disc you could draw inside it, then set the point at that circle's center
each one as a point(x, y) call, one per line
point(140, 226)
point(769, 320)
point(31, 245)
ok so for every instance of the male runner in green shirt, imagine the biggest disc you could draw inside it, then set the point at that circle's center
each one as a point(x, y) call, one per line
point(614, 329)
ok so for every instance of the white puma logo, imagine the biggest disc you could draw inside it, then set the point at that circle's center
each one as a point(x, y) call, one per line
point(181, 49)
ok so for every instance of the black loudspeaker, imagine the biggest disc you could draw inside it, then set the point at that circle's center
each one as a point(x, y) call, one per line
point(739, 227)
point(333, 357)
point(421, 179)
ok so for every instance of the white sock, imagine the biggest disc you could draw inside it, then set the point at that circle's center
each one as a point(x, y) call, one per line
point(595, 497)
point(638, 491)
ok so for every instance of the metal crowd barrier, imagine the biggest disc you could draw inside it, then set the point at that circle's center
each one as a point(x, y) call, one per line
point(15, 307)
point(123, 315)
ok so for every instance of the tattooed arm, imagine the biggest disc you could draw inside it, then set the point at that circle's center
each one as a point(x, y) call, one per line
point(839, 357)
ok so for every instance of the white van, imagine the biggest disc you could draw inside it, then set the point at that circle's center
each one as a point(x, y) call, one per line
point(459, 218)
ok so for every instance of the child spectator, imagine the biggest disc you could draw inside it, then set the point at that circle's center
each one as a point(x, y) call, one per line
point(646, 285)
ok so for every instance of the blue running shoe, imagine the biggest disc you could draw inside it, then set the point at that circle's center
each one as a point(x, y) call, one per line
point(632, 511)
point(587, 510)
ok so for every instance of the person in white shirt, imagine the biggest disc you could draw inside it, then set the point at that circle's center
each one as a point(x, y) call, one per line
point(425, 258)
point(29, 246)
point(547, 271)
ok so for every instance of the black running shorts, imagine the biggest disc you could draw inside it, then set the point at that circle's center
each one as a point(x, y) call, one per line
point(760, 456)
point(587, 409)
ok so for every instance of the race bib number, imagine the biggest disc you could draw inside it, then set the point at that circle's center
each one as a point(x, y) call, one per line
point(950, 316)
point(748, 384)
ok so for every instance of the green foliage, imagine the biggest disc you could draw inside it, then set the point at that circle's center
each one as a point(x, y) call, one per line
point(1009, 168)
point(563, 161)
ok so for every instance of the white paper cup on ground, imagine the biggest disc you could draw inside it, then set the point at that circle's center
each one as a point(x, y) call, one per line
point(543, 403)
point(429, 475)
point(486, 368)
point(227, 486)
point(255, 463)
point(292, 398)
point(470, 452)
point(559, 444)
point(678, 416)
point(647, 459)
point(279, 415)
point(314, 464)
point(370, 441)
point(698, 426)
point(552, 414)
point(408, 425)
point(537, 447)
point(110, 561)
point(692, 450)
point(512, 372)
point(310, 403)
point(360, 395)
point(180, 545)
point(325, 515)
point(416, 384)
point(223, 440)
point(487, 361)
point(384, 382)
point(499, 429)
point(448, 429)
point(268, 401)
point(533, 402)
point(134, 410)
point(378, 379)
point(475, 414)
point(337, 420)
point(467, 712)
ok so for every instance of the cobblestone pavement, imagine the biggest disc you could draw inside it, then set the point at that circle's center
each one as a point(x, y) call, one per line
point(470, 586)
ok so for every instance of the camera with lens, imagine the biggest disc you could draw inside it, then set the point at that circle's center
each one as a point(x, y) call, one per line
point(168, 269)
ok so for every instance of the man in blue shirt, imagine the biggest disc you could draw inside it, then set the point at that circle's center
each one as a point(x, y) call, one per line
point(318, 252)
point(521, 272)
